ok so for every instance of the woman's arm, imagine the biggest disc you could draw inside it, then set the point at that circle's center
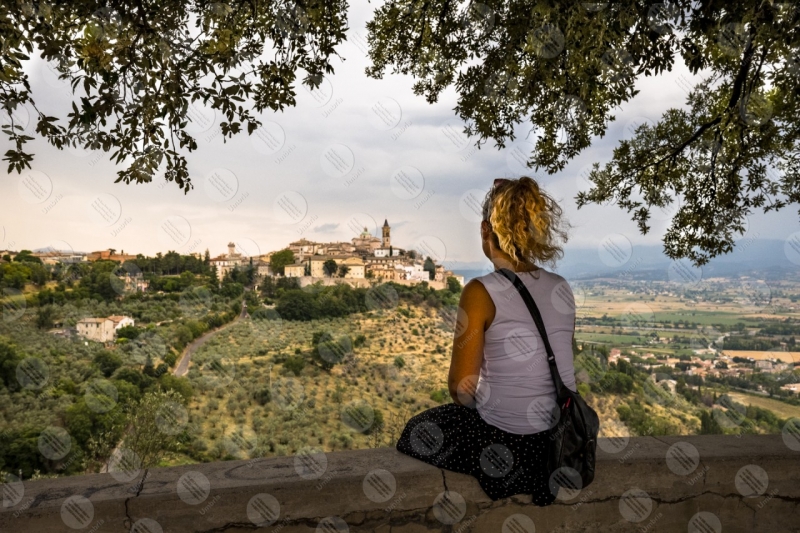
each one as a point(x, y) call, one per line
point(475, 313)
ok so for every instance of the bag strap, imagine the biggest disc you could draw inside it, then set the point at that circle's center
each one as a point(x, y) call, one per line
point(537, 319)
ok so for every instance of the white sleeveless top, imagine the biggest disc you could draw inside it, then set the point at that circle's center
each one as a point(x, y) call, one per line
point(515, 390)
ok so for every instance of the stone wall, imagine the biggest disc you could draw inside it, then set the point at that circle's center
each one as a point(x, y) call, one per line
point(703, 484)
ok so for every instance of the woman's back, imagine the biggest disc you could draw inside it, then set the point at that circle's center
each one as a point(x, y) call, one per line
point(515, 391)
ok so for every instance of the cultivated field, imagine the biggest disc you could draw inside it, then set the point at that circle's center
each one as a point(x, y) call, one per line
point(786, 357)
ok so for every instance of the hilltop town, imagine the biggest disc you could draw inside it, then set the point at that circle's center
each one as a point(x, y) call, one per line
point(364, 260)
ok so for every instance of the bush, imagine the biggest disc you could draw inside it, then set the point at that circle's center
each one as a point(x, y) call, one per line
point(128, 332)
point(107, 362)
point(614, 382)
point(295, 364)
point(440, 395)
point(170, 358)
point(263, 396)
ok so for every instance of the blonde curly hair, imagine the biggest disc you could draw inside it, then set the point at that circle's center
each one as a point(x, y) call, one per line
point(526, 221)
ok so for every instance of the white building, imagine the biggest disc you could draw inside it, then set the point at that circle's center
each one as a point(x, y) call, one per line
point(227, 262)
point(102, 329)
point(415, 272)
point(792, 387)
point(386, 252)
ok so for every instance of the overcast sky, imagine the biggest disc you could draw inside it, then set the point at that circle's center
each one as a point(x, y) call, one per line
point(323, 171)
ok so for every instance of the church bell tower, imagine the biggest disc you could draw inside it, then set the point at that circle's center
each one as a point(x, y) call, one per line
point(386, 241)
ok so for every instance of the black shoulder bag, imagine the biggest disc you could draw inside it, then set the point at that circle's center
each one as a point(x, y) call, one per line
point(574, 437)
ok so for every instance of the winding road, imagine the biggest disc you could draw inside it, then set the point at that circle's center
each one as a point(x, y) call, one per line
point(183, 366)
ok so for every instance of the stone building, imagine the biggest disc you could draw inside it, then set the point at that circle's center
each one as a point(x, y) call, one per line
point(296, 270)
point(227, 262)
point(366, 242)
point(102, 329)
point(109, 254)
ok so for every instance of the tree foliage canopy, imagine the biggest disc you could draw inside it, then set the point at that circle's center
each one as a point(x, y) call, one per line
point(565, 67)
point(562, 68)
point(141, 69)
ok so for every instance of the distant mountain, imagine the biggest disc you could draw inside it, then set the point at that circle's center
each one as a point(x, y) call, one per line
point(764, 258)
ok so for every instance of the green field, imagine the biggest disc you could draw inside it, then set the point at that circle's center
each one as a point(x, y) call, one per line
point(705, 318)
point(783, 410)
point(617, 340)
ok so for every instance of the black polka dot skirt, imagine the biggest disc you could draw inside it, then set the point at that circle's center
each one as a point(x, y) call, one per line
point(455, 437)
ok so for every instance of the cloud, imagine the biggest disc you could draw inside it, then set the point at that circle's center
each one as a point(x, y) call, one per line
point(325, 228)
